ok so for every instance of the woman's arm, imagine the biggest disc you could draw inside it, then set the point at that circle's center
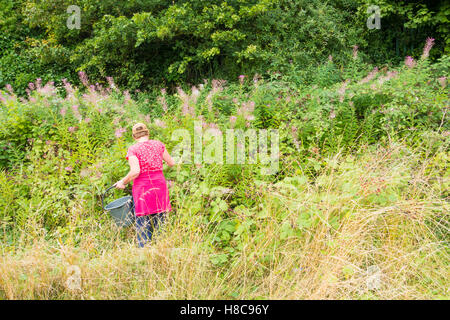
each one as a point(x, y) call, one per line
point(168, 159)
point(133, 174)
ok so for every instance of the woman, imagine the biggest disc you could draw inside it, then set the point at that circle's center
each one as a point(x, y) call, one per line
point(150, 192)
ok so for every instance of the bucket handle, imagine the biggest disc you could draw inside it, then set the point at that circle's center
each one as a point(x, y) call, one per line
point(104, 194)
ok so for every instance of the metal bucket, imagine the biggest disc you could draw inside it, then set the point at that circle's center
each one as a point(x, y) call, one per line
point(122, 210)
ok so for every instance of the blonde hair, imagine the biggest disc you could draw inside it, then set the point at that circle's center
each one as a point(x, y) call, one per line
point(139, 130)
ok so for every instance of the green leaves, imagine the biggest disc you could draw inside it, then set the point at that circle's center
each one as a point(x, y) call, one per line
point(218, 207)
point(219, 259)
point(286, 230)
point(141, 43)
point(304, 220)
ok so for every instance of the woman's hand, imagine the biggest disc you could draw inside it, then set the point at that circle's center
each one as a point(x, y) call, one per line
point(168, 159)
point(134, 173)
point(119, 185)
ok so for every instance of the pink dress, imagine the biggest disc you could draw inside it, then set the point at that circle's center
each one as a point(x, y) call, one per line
point(150, 192)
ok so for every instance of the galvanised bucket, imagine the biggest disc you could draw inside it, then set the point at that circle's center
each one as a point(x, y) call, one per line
point(122, 210)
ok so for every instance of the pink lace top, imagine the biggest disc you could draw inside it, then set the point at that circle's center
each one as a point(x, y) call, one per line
point(149, 154)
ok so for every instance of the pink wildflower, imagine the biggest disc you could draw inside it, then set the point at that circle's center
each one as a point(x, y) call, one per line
point(442, 81)
point(84, 173)
point(111, 83)
point(332, 115)
point(342, 90)
point(370, 76)
point(213, 126)
point(195, 93)
point(241, 79)
point(251, 106)
point(389, 76)
point(68, 87)
point(163, 102)
point(84, 78)
point(68, 169)
point(126, 93)
point(71, 129)
point(426, 49)
point(409, 62)
point(160, 123)
point(9, 88)
point(186, 108)
point(119, 132)
point(217, 85)
point(198, 129)
point(215, 132)
point(256, 78)
point(48, 89)
point(87, 120)
point(76, 112)
point(101, 89)
point(183, 96)
point(38, 83)
point(209, 101)
point(294, 132)
point(233, 120)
